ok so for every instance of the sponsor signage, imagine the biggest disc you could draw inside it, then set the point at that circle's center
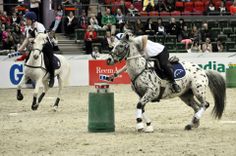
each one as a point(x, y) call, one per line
point(99, 72)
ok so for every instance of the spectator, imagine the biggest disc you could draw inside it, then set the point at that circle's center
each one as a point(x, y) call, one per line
point(83, 23)
point(59, 15)
point(7, 38)
point(4, 18)
point(15, 19)
point(185, 37)
point(109, 21)
point(160, 27)
point(89, 38)
point(222, 8)
point(172, 28)
point(94, 22)
point(149, 27)
point(161, 6)
point(170, 5)
point(85, 5)
point(205, 32)
point(211, 8)
point(133, 11)
point(148, 5)
point(138, 28)
point(17, 37)
point(128, 27)
point(195, 48)
point(207, 46)
point(70, 24)
point(99, 15)
point(232, 8)
point(34, 6)
point(195, 34)
point(120, 18)
point(180, 28)
point(218, 47)
point(108, 41)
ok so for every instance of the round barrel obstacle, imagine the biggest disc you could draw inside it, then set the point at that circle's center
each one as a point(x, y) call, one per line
point(231, 76)
point(101, 109)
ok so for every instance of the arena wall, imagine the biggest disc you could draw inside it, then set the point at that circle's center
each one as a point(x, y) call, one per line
point(85, 71)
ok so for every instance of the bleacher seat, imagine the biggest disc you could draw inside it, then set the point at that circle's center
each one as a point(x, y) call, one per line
point(138, 5)
point(222, 37)
point(171, 38)
point(212, 24)
point(164, 13)
point(179, 6)
point(188, 6)
point(186, 13)
point(180, 47)
point(229, 46)
point(215, 32)
point(223, 23)
point(79, 34)
point(171, 47)
point(153, 13)
point(175, 13)
point(228, 4)
point(228, 31)
point(217, 3)
point(160, 39)
point(233, 24)
point(199, 6)
point(232, 37)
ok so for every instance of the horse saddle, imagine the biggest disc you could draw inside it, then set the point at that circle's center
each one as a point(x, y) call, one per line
point(178, 69)
point(56, 63)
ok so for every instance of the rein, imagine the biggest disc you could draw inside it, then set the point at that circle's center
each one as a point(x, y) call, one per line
point(32, 66)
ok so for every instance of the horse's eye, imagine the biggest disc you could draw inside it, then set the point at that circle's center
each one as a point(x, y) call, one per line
point(32, 42)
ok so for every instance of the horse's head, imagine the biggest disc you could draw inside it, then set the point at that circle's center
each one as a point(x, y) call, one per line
point(121, 49)
point(38, 44)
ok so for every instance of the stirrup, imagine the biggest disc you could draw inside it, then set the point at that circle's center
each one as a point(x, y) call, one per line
point(176, 88)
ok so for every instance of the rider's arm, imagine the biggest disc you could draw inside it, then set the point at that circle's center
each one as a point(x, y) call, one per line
point(24, 44)
point(144, 41)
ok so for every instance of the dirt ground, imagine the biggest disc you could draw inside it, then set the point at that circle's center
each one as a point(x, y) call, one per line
point(24, 132)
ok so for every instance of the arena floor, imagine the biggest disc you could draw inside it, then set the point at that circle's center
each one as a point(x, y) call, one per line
point(44, 132)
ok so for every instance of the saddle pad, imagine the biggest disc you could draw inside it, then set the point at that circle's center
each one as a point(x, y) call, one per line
point(179, 71)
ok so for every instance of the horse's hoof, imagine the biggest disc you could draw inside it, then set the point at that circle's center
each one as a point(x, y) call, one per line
point(34, 107)
point(188, 127)
point(20, 97)
point(140, 127)
point(149, 129)
point(55, 108)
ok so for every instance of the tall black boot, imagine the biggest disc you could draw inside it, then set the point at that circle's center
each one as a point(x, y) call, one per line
point(176, 87)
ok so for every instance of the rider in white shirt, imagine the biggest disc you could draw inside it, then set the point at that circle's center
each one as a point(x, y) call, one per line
point(31, 26)
point(157, 51)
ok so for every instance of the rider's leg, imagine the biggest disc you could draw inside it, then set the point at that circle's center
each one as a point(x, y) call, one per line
point(164, 64)
point(48, 52)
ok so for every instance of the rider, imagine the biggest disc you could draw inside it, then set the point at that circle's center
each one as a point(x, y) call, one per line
point(157, 51)
point(31, 26)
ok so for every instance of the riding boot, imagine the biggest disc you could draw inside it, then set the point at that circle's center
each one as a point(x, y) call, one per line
point(176, 87)
point(51, 81)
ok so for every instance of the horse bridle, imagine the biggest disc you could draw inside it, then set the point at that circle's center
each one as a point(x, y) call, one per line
point(122, 53)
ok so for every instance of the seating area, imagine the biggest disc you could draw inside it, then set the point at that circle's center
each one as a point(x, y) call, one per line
point(193, 7)
point(221, 29)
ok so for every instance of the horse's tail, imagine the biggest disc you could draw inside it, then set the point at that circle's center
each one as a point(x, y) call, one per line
point(218, 89)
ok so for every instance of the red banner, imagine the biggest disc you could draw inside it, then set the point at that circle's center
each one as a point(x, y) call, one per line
point(99, 70)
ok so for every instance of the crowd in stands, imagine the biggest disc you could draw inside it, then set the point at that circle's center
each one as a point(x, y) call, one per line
point(112, 20)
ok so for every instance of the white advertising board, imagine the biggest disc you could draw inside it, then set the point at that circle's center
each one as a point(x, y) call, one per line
point(11, 73)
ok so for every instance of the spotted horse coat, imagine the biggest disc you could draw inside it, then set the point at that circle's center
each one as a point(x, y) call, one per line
point(147, 84)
